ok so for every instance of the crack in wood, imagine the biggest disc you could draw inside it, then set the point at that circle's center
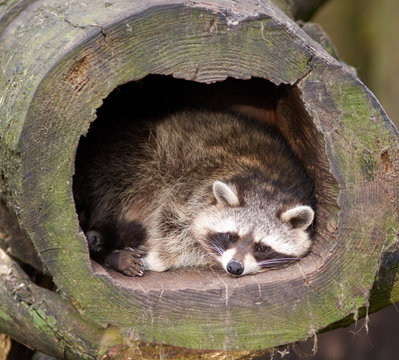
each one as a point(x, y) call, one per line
point(226, 290)
point(310, 69)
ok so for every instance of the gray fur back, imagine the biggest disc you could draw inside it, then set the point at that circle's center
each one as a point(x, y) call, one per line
point(160, 174)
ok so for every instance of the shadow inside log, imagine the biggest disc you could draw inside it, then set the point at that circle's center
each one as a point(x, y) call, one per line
point(278, 106)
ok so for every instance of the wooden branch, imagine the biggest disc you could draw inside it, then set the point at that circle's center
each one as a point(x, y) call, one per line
point(56, 75)
point(45, 321)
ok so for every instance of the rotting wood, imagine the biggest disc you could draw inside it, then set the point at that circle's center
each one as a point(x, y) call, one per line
point(57, 74)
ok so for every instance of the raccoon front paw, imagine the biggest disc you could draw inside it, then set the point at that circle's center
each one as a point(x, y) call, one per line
point(126, 261)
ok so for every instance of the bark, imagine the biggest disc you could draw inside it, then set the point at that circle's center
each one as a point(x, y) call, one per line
point(45, 321)
point(59, 61)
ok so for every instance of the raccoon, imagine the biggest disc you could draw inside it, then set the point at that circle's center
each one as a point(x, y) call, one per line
point(193, 189)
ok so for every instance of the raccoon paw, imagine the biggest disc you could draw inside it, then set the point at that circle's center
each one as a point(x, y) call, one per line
point(95, 240)
point(137, 252)
point(125, 261)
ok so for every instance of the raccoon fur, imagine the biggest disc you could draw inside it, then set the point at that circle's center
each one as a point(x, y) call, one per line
point(195, 188)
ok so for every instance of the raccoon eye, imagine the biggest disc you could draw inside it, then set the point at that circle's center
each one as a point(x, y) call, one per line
point(262, 248)
point(232, 237)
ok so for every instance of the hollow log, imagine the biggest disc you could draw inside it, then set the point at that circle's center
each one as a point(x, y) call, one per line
point(61, 63)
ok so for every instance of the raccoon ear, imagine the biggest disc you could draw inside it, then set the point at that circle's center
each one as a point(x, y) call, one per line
point(225, 194)
point(300, 217)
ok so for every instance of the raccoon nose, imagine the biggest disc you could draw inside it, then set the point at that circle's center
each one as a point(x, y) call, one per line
point(235, 267)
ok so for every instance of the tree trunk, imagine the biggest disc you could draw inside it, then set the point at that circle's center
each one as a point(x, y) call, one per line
point(59, 61)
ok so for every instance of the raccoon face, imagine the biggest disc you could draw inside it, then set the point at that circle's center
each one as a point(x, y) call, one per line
point(249, 239)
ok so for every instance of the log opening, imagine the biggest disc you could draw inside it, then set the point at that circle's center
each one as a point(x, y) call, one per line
point(278, 106)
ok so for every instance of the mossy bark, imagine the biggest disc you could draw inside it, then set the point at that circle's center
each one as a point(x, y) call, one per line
point(59, 61)
point(45, 321)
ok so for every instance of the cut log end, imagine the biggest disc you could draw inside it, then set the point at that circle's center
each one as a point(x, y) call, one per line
point(278, 106)
point(255, 60)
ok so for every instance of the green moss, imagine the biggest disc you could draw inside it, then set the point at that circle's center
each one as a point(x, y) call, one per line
point(4, 316)
point(391, 228)
point(367, 166)
point(285, 59)
point(360, 117)
point(45, 324)
point(394, 294)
